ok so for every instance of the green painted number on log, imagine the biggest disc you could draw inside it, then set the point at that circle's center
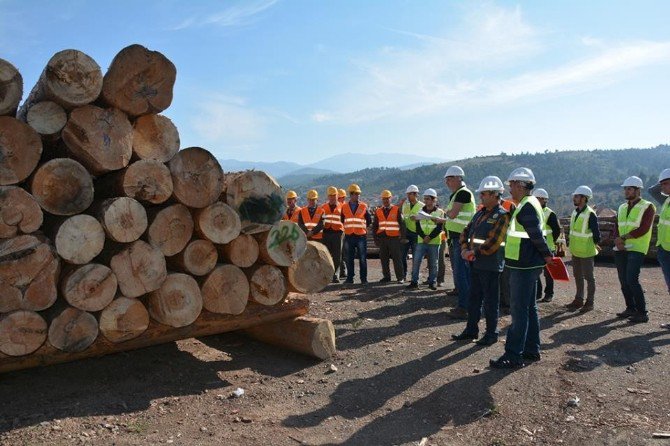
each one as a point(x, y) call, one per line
point(280, 235)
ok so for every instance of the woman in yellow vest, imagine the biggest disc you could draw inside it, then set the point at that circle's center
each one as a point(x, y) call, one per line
point(661, 192)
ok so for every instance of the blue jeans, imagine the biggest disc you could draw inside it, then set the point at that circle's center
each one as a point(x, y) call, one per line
point(663, 258)
point(421, 250)
point(357, 245)
point(523, 336)
point(628, 264)
point(409, 247)
point(461, 271)
point(484, 290)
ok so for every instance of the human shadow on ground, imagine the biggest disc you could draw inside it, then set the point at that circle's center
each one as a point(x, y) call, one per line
point(410, 304)
point(582, 334)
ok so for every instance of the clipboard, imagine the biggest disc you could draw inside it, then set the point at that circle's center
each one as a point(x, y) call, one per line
point(558, 271)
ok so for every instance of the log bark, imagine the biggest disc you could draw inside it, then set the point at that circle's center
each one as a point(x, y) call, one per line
point(11, 88)
point(283, 244)
point(19, 212)
point(267, 284)
point(147, 181)
point(313, 271)
point(139, 81)
point(62, 187)
point(29, 269)
point(170, 228)
point(123, 319)
point(225, 290)
point(257, 197)
point(20, 150)
point(218, 223)
point(78, 239)
point(100, 139)
point(22, 332)
point(155, 137)
point(139, 269)
point(198, 258)
point(177, 302)
point(71, 79)
point(90, 287)
point(242, 251)
point(73, 330)
point(310, 336)
point(123, 219)
point(48, 119)
point(197, 177)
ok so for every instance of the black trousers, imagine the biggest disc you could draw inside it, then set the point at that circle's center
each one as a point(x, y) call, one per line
point(333, 242)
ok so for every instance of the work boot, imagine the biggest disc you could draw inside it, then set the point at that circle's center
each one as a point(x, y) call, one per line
point(486, 341)
point(588, 306)
point(531, 356)
point(384, 280)
point(575, 305)
point(639, 317)
point(453, 292)
point(432, 286)
point(458, 313)
point(628, 312)
point(464, 337)
point(412, 286)
point(547, 298)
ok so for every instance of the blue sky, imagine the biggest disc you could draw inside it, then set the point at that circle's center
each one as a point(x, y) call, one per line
point(303, 80)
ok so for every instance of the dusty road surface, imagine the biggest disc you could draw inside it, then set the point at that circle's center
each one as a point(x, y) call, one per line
point(398, 379)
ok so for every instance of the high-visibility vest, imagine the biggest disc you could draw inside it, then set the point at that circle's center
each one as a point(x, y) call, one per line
point(355, 223)
point(428, 225)
point(311, 222)
point(507, 204)
point(632, 221)
point(294, 215)
point(546, 229)
point(581, 236)
point(407, 211)
point(464, 215)
point(389, 224)
point(664, 226)
point(516, 231)
point(332, 219)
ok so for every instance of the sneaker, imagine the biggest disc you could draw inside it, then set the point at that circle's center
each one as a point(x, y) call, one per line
point(440, 284)
point(453, 292)
point(666, 326)
point(547, 299)
point(385, 280)
point(575, 305)
point(432, 286)
point(505, 363)
point(486, 341)
point(401, 280)
point(412, 286)
point(531, 356)
point(586, 308)
point(464, 337)
point(640, 317)
point(626, 313)
point(458, 313)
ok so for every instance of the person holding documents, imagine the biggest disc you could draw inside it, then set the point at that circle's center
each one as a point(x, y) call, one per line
point(428, 239)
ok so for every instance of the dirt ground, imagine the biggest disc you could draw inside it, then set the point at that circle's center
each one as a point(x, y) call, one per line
point(399, 379)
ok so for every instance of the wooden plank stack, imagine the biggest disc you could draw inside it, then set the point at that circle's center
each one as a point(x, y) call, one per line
point(112, 238)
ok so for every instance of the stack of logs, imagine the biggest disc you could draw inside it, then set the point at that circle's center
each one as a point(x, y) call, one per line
point(111, 238)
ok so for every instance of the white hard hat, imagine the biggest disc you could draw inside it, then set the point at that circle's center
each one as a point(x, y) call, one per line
point(430, 193)
point(664, 175)
point(454, 171)
point(412, 188)
point(540, 193)
point(583, 190)
point(491, 183)
point(632, 182)
point(522, 174)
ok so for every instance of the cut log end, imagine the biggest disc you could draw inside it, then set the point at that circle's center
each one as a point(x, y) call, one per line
point(11, 88)
point(198, 258)
point(147, 181)
point(225, 290)
point(267, 284)
point(62, 186)
point(170, 228)
point(123, 319)
point(20, 150)
point(313, 271)
point(257, 197)
point(218, 223)
point(90, 287)
point(307, 335)
point(283, 244)
point(79, 239)
point(19, 212)
point(139, 269)
point(47, 118)
point(242, 251)
point(197, 177)
point(178, 301)
point(73, 330)
point(22, 332)
point(155, 137)
point(124, 219)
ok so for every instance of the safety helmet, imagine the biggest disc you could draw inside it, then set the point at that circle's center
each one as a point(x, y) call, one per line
point(412, 188)
point(312, 194)
point(522, 174)
point(341, 193)
point(291, 194)
point(386, 193)
point(540, 193)
point(454, 171)
point(664, 175)
point(332, 190)
point(583, 190)
point(430, 192)
point(354, 189)
point(491, 183)
point(632, 182)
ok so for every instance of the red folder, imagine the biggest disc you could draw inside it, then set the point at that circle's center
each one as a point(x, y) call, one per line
point(558, 271)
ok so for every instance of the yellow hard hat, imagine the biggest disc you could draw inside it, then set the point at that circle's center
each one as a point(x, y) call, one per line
point(291, 194)
point(312, 195)
point(386, 193)
point(354, 189)
point(332, 190)
point(341, 193)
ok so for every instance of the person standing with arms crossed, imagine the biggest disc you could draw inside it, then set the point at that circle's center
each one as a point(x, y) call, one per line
point(388, 229)
point(333, 229)
point(356, 219)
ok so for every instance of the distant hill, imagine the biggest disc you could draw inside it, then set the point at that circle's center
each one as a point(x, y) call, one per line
point(303, 175)
point(276, 169)
point(558, 172)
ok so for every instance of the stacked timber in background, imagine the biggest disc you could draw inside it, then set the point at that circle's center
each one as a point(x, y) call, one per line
point(112, 238)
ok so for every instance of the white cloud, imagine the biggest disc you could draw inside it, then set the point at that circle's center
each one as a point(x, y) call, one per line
point(228, 120)
point(236, 15)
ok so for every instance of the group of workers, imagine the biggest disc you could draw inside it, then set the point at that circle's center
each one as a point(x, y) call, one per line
point(498, 249)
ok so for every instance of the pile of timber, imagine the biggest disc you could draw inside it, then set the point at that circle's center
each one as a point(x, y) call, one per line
point(112, 238)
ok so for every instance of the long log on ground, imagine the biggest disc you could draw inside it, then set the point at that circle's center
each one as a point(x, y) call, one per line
point(218, 223)
point(19, 212)
point(257, 197)
point(139, 268)
point(48, 119)
point(123, 319)
point(307, 335)
point(197, 177)
point(29, 269)
point(225, 290)
point(90, 287)
point(123, 219)
point(11, 88)
point(313, 271)
point(177, 302)
point(22, 332)
point(242, 251)
point(198, 258)
point(170, 228)
point(20, 150)
point(155, 137)
point(71, 79)
point(267, 284)
point(148, 181)
point(62, 187)
point(78, 239)
point(73, 330)
point(101, 139)
point(283, 244)
point(207, 324)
